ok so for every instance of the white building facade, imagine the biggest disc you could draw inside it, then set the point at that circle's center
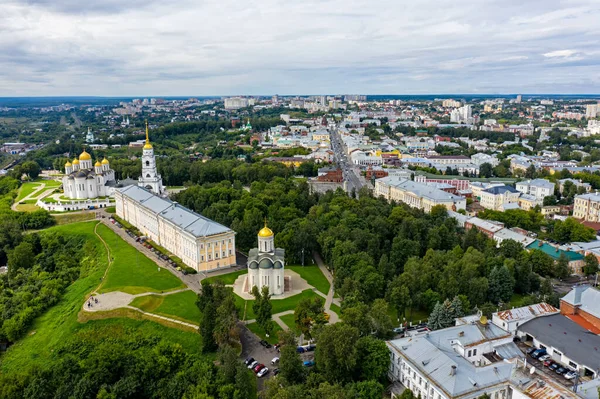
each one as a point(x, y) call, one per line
point(199, 242)
point(150, 179)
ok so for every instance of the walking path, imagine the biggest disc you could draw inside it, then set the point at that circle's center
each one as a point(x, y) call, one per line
point(333, 317)
point(96, 302)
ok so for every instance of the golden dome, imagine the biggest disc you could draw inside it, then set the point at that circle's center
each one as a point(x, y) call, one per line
point(76, 161)
point(147, 146)
point(105, 161)
point(85, 156)
point(265, 231)
point(68, 164)
point(97, 164)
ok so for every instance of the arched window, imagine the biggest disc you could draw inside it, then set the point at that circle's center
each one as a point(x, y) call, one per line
point(147, 163)
point(147, 174)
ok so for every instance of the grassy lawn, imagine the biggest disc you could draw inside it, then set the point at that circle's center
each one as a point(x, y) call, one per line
point(181, 306)
point(336, 309)
point(314, 276)
point(279, 305)
point(111, 209)
point(59, 323)
point(132, 272)
point(272, 339)
point(517, 300)
point(227, 279)
point(26, 189)
point(67, 218)
point(288, 319)
point(27, 207)
point(414, 315)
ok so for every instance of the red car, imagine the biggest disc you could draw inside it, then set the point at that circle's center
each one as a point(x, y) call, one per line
point(259, 367)
point(548, 362)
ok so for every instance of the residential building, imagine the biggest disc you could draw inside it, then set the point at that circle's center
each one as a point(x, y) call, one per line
point(527, 202)
point(481, 158)
point(199, 242)
point(449, 103)
point(577, 183)
point(582, 305)
point(511, 319)
point(487, 227)
point(508, 234)
point(448, 159)
point(565, 341)
point(463, 361)
point(539, 188)
point(331, 175)
point(587, 207)
point(417, 195)
point(550, 210)
point(592, 110)
point(235, 103)
point(477, 187)
point(495, 198)
point(576, 260)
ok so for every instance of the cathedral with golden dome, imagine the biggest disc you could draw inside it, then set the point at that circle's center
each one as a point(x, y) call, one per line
point(266, 264)
point(84, 180)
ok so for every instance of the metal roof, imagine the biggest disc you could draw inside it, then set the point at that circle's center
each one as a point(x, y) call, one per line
point(433, 354)
point(575, 342)
point(586, 297)
point(527, 312)
point(188, 220)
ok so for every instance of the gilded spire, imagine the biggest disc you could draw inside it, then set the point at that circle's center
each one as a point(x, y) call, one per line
point(147, 145)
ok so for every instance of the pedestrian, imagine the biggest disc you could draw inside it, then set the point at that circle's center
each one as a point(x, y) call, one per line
point(96, 299)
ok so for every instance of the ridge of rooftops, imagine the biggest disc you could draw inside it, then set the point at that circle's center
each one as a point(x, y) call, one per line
point(188, 220)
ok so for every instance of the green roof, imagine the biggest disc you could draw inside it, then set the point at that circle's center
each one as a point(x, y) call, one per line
point(553, 251)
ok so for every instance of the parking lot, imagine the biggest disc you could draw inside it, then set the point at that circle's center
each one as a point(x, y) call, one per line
point(539, 365)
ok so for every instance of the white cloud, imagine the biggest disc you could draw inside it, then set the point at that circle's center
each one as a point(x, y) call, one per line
point(110, 47)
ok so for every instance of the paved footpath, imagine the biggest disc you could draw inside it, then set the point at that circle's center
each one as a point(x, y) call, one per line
point(333, 317)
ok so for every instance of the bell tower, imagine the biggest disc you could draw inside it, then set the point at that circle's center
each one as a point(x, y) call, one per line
point(150, 179)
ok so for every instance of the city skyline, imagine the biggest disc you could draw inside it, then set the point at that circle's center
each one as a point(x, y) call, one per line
point(113, 49)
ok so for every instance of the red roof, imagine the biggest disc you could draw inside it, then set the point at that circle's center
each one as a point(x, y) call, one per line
point(583, 323)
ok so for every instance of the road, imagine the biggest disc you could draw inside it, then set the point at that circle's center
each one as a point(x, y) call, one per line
point(351, 173)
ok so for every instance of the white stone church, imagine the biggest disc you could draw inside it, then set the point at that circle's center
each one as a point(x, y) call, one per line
point(266, 264)
point(83, 180)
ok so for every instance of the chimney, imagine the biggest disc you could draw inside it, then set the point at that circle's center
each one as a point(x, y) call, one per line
point(453, 370)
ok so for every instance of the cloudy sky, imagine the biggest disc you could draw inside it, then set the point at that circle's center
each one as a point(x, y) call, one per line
point(225, 47)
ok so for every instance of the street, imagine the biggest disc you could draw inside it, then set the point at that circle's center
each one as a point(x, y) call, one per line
point(351, 173)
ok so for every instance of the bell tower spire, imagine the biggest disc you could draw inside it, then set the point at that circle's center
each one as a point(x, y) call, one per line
point(147, 145)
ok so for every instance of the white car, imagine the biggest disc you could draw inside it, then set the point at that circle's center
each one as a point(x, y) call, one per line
point(262, 372)
point(570, 375)
point(252, 365)
point(275, 360)
point(544, 358)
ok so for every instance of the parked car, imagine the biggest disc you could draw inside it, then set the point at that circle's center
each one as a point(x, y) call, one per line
point(544, 358)
point(276, 371)
point(265, 344)
point(553, 366)
point(561, 370)
point(311, 347)
point(398, 330)
point(275, 360)
point(300, 349)
point(252, 365)
point(531, 350)
point(309, 363)
point(248, 361)
point(548, 362)
point(570, 375)
point(262, 372)
point(258, 367)
point(538, 353)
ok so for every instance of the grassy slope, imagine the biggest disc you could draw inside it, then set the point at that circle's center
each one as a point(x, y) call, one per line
point(54, 328)
point(314, 276)
point(132, 271)
point(256, 329)
point(278, 305)
point(181, 306)
point(227, 279)
point(288, 319)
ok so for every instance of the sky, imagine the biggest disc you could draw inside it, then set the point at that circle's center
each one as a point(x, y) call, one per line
point(254, 47)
